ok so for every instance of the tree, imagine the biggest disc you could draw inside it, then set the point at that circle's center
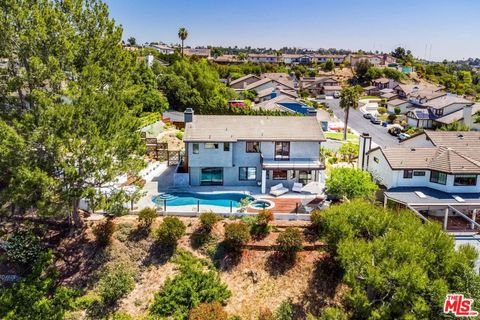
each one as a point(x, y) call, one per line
point(396, 266)
point(362, 68)
point(66, 86)
point(350, 183)
point(132, 41)
point(329, 65)
point(192, 286)
point(182, 34)
point(349, 151)
point(349, 97)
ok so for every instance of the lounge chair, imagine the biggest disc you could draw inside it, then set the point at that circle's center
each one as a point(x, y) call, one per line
point(278, 190)
point(297, 187)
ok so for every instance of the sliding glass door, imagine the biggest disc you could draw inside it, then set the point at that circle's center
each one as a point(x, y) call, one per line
point(212, 177)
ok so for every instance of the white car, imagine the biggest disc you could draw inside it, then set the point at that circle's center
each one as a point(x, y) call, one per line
point(403, 136)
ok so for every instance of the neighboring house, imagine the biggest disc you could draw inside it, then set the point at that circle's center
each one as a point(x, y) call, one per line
point(286, 104)
point(320, 85)
point(377, 60)
point(227, 59)
point(440, 111)
point(291, 58)
point(336, 58)
point(405, 90)
point(370, 91)
point(201, 52)
point(252, 150)
point(271, 93)
point(242, 82)
point(263, 58)
point(266, 83)
point(284, 78)
point(404, 106)
point(384, 83)
point(162, 48)
point(174, 117)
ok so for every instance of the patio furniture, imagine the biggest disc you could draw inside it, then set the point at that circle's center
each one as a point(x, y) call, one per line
point(297, 187)
point(278, 190)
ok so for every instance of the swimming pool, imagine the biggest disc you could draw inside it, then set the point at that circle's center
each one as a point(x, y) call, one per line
point(192, 198)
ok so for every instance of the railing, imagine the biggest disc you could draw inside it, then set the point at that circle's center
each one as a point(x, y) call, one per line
point(304, 163)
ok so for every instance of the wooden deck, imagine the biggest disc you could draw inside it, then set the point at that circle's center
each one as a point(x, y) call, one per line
point(282, 205)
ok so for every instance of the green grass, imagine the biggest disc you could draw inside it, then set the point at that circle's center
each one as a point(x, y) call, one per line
point(369, 97)
point(339, 136)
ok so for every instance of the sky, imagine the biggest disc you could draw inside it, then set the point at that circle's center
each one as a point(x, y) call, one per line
point(431, 29)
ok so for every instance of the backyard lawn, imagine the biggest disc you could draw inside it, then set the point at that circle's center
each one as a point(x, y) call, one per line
point(339, 136)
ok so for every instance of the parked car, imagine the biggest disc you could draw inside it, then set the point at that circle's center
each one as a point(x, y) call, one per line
point(375, 120)
point(367, 115)
point(403, 136)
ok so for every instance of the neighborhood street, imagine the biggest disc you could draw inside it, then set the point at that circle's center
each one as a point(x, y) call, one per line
point(356, 121)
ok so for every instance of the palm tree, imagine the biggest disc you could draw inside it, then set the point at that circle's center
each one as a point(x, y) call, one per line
point(349, 97)
point(182, 34)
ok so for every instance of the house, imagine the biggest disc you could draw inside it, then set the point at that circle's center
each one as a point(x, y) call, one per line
point(271, 93)
point(263, 58)
point(405, 90)
point(200, 52)
point(227, 59)
point(281, 77)
point(434, 172)
point(266, 83)
point(322, 58)
point(320, 85)
point(377, 60)
point(162, 48)
point(242, 82)
point(384, 83)
point(285, 103)
point(291, 58)
point(174, 117)
point(440, 111)
point(252, 150)
point(404, 106)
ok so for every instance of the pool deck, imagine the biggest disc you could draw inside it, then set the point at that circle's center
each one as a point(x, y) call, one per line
point(163, 182)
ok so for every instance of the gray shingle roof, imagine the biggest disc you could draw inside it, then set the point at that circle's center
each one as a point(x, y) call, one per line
point(260, 128)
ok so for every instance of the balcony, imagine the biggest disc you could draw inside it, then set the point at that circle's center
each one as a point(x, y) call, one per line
point(293, 163)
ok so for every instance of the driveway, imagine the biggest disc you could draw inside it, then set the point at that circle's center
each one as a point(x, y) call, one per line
point(356, 121)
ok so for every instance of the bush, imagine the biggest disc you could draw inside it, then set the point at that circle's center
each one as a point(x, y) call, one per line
point(115, 283)
point(208, 311)
point(23, 247)
point(122, 231)
point(261, 227)
point(119, 315)
point(208, 220)
point(237, 234)
point(170, 230)
point(284, 311)
point(264, 217)
point(397, 110)
point(392, 117)
point(146, 216)
point(381, 110)
point(192, 286)
point(290, 241)
point(179, 135)
point(103, 232)
point(316, 220)
point(333, 313)
point(266, 314)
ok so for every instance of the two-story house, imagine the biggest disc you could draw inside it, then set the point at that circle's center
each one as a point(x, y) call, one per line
point(252, 150)
point(430, 172)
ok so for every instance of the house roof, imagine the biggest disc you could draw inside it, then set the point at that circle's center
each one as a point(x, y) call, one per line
point(453, 152)
point(381, 80)
point(410, 195)
point(220, 128)
point(388, 95)
point(275, 104)
point(334, 88)
point(445, 101)
point(370, 88)
point(397, 102)
point(241, 79)
point(258, 83)
point(420, 114)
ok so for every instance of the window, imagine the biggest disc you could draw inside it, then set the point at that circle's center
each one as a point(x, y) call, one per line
point(438, 177)
point(226, 146)
point(407, 174)
point(439, 112)
point(247, 173)
point(465, 180)
point(210, 145)
point(419, 173)
point(195, 148)
point(279, 174)
point(211, 177)
point(253, 146)
point(282, 150)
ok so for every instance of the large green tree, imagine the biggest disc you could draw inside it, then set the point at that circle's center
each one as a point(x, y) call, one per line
point(63, 99)
point(350, 183)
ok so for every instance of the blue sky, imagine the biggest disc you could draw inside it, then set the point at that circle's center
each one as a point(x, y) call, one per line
point(450, 28)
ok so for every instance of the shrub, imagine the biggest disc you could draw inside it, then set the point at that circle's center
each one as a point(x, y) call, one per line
point(392, 117)
point(261, 226)
point(397, 110)
point(146, 216)
point(192, 286)
point(264, 217)
point(266, 314)
point(381, 110)
point(333, 313)
point(23, 247)
point(316, 220)
point(115, 283)
point(208, 220)
point(179, 135)
point(170, 230)
point(237, 234)
point(208, 311)
point(119, 315)
point(284, 311)
point(122, 231)
point(103, 232)
point(290, 241)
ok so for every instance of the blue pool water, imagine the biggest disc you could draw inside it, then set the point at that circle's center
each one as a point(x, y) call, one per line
point(191, 198)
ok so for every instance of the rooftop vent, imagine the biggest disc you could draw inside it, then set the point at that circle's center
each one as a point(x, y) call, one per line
point(420, 194)
point(458, 198)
